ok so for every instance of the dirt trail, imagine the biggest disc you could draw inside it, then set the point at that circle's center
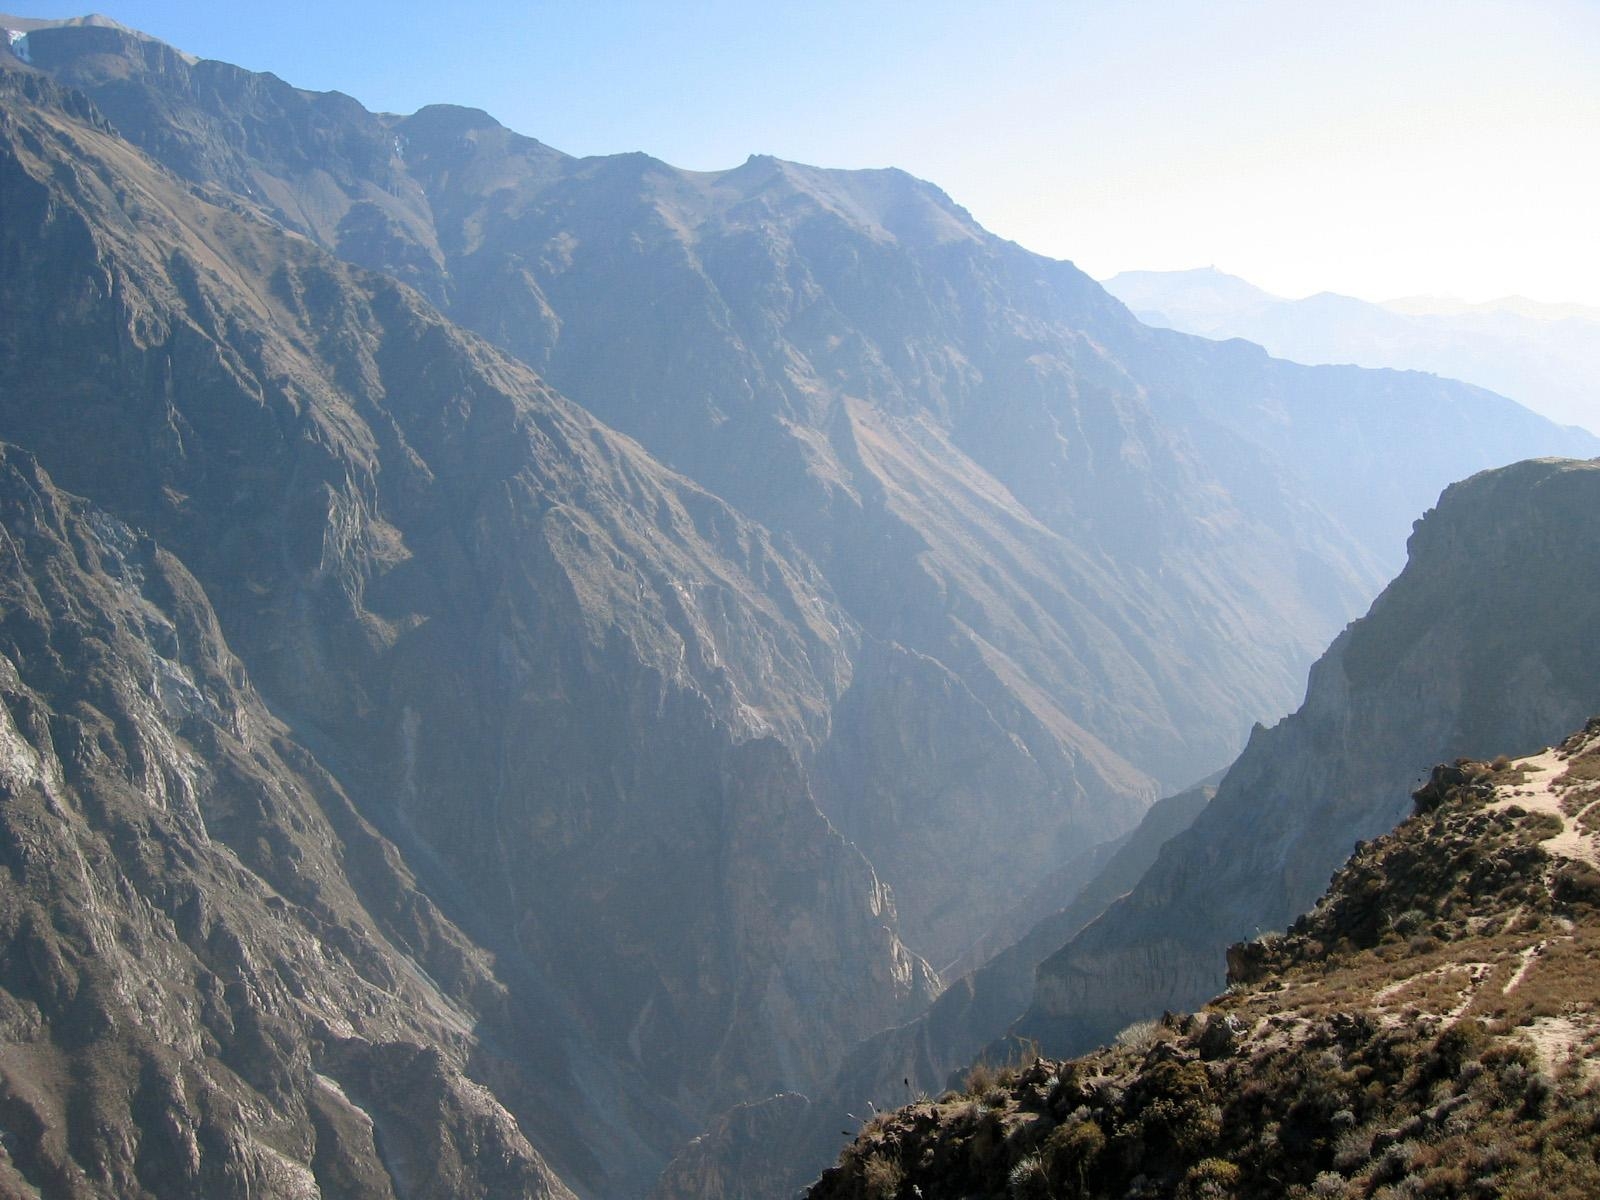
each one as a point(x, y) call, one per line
point(1537, 793)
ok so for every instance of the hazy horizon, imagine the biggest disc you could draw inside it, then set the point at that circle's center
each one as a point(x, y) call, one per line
point(1373, 150)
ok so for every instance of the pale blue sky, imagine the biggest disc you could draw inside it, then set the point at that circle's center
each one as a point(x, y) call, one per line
point(1373, 148)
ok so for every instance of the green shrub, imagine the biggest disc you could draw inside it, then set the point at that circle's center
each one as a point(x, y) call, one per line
point(1070, 1154)
point(1209, 1178)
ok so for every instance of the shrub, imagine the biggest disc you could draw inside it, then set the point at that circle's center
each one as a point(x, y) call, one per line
point(981, 1080)
point(1140, 1036)
point(1027, 1180)
point(1408, 922)
point(1210, 1177)
point(882, 1177)
point(1070, 1154)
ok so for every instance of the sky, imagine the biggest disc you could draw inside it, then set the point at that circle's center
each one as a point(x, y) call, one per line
point(1378, 149)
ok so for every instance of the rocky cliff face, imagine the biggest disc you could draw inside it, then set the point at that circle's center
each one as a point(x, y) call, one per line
point(218, 979)
point(1087, 553)
point(1472, 647)
point(568, 684)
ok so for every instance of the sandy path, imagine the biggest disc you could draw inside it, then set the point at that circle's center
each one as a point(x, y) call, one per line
point(1536, 794)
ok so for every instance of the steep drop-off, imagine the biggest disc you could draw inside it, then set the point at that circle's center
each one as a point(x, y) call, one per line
point(1428, 1030)
point(1487, 639)
point(569, 684)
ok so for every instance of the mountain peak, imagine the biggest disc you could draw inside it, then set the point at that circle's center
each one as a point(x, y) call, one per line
point(459, 117)
point(28, 26)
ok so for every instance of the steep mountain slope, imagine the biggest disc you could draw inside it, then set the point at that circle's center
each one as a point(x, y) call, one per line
point(1484, 640)
point(773, 1148)
point(1428, 1030)
point(569, 684)
point(1028, 560)
point(1034, 508)
point(1544, 356)
point(216, 979)
point(1100, 551)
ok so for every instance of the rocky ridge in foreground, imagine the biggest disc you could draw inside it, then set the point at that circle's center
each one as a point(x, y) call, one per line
point(1429, 1029)
point(1485, 639)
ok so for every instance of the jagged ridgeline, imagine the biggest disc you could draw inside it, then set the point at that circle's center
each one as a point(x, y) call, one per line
point(417, 787)
point(1429, 1029)
point(1082, 556)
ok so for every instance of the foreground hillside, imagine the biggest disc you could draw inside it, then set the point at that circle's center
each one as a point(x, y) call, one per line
point(1483, 640)
point(1429, 1029)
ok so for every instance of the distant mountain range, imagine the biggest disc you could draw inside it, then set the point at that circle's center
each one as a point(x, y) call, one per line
point(1546, 356)
point(509, 658)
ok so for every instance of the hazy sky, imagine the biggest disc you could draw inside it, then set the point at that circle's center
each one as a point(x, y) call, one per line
point(1377, 149)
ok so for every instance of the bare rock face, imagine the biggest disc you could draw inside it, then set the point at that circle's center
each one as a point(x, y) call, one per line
point(200, 997)
point(571, 687)
point(1471, 647)
point(1101, 551)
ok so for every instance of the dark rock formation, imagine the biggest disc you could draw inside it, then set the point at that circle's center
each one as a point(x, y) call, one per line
point(1481, 642)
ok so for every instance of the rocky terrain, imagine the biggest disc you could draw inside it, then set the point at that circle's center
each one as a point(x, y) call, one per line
point(1465, 650)
point(216, 978)
point(1428, 1029)
point(517, 660)
point(557, 676)
point(1473, 646)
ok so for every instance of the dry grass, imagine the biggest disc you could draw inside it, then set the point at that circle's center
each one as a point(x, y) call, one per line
point(1426, 1032)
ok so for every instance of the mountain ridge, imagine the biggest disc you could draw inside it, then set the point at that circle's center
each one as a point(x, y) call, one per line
point(1427, 1027)
point(344, 472)
point(912, 565)
point(1542, 355)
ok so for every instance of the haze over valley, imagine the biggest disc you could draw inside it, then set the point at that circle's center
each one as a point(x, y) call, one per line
point(551, 675)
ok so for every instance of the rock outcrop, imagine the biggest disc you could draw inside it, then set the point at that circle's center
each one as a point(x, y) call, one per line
point(1481, 642)
point(1428, 1029)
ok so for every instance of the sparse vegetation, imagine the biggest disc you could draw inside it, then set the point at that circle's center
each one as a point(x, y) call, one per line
point(1426, 1031)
